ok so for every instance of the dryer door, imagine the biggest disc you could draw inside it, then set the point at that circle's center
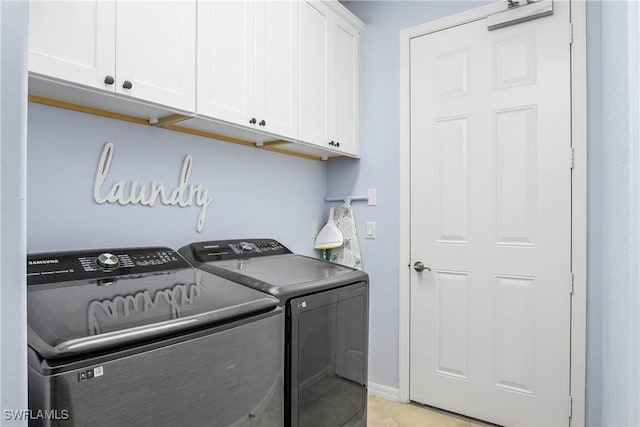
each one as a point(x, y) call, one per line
point(328, 355)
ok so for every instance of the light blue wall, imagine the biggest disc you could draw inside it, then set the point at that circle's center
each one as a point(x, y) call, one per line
point(255, 193)
point(13, 128)
point(612, 309)
point(379, 131)
point(612, 348)
point(595, 220)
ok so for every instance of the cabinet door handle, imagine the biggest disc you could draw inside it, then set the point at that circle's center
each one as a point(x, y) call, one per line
point(109, 80)
point(332, 143)
point(337, 144)
point(262, 123)
point(252, 121)
point(127, 84)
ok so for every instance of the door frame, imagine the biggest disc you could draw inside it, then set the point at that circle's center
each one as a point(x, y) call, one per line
point(577, 32)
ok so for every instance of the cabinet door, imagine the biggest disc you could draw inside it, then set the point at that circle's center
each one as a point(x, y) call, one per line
point(277, 67)
point(315, 73)
point(155, 51)
point(73, 41)
point(345, 87)
point(226, 34)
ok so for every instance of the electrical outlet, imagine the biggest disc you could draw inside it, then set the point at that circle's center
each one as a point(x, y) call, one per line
point(371, 230)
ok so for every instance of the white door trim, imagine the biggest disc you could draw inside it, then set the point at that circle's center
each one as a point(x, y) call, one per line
point(578, 194)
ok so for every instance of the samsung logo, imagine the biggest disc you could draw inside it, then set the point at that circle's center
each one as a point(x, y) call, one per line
point(43, 261)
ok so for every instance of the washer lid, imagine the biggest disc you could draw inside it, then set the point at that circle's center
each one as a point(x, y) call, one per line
point(87, 315)
point(285, 275)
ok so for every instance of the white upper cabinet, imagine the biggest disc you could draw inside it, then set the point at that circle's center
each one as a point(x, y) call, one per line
point(276, 73)
point(73, 41)
point(277, 67)
point(248, 64)
point(345, 88)
point(328, 78)
point(315, 73)
point(226, 37)
point(156, 51)
point(139, 49)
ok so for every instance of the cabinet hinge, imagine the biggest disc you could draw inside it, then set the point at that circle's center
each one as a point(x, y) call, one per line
point(570, 406)
point(571, 281)
point(572, 154)
point(570, 33)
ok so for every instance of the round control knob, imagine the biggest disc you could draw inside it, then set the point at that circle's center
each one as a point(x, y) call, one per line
point(108, 260)
point(246, 247)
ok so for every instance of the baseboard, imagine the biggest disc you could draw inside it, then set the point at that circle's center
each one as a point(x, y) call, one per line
point(385, 392)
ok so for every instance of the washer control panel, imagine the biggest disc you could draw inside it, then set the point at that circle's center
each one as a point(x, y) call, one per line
point(218, 250)
point(67, 266)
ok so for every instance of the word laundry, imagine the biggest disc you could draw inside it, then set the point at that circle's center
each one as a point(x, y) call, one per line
point(183, 195)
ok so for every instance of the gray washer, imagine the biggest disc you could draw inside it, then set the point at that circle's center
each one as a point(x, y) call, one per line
point(326, 324)
point(149, 342)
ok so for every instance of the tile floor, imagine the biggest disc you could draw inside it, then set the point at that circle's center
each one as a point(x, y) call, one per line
point(385, 413)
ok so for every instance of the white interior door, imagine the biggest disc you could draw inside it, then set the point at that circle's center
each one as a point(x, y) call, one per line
point(491, 218)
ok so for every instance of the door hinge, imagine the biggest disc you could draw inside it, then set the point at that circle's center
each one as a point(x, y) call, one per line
point(572, 154)
point(570, 406)
point(570, 33)
point(571, 281)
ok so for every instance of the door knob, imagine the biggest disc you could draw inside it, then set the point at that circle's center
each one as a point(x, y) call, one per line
point(418, 266)
point(262, 123)
point(252, 121)
point(127, 84)
point(108, 80)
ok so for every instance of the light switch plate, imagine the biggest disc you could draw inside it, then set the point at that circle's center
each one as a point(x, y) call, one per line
point(371, 230)
point(372, 196)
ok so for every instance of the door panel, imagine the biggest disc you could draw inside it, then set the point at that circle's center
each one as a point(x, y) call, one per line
point(226, 73)
point(78, 50)
point(452, 180)
point(490, 215)
point(315, 69)
point(452, 323)
point(515, 348)
point(277, 66)
point(155, 51)
point(516, 176)
point(345, 87)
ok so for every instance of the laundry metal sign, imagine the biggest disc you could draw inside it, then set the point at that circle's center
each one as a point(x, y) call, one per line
point(183, 194)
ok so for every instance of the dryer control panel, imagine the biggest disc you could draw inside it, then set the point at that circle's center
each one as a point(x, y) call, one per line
point(100, 263)
point(219, 250)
